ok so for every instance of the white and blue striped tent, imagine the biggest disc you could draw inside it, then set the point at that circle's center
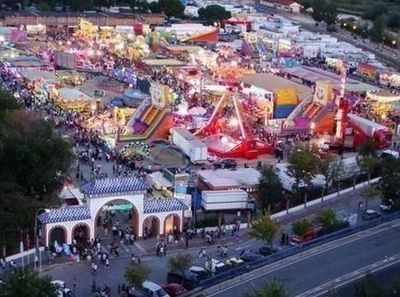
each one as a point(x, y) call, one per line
point(114, 186)
point(65, 214)
point(163, 205)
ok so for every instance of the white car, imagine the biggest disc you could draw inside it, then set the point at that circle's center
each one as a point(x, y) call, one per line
point(153, 290)
point(62, 289)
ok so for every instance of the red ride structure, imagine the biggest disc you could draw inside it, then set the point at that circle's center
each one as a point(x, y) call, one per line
point(227, 144)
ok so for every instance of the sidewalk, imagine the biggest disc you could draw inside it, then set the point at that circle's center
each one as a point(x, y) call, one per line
point(149, 245)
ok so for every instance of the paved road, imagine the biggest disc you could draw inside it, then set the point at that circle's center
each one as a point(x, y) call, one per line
point(383, 277)
point(311, 269)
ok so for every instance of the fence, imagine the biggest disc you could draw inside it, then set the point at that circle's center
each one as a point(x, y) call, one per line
point(234, 272)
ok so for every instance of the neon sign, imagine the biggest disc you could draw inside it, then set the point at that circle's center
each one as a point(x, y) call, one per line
point(121, 207)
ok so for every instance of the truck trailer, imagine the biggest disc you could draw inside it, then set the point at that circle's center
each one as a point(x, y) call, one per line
point(191, 145)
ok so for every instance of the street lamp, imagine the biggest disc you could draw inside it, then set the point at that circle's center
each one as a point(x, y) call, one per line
point(37, 246)
point(394, 43)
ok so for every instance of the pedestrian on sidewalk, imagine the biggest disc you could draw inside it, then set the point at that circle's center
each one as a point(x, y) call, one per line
point(94, 267)
point(74, 284)
point(107, 263)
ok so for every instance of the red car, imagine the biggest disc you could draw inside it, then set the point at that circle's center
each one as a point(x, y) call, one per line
point(174, 289)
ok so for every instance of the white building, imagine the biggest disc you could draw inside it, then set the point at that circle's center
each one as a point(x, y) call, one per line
point(163, 216)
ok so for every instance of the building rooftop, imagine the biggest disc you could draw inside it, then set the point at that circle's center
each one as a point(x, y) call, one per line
point(163, 205)
point(229, 179)
point(114, 186)
point(65, 214)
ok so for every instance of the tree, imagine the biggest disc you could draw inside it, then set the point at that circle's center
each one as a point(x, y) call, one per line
point(377, 31)
point(368, 165)
point(303, 166)
point(331, 169)
point(324, 11)
point(26, 283)
point(137, 274)
point(140, 5)
point(330, 13)
point(368, 148)
point(171, 8)
point(32, 156)
point(43, 6)
point(393, 20)
point(375, 10)
point(317, 10)
point(328, 217)
point(271, 289)
point(180, 263)
point(301, 227)
point(213, 13)
point(270, 188)
point(368, 287)
point(264, 228)
point(369, 193)
point(390, 180)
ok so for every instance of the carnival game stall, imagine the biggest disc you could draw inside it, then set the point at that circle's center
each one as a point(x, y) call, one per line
point(73, 99)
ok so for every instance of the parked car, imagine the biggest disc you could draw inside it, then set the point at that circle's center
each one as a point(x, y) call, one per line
point(266, 250)
point(212, 158)
point(218, 266)
point(151, 289)
point(370, 214)
point(174, 289)
point(62, 289)
point(225, 163)
point(250, 256)
point(386, 205)
point(191, 279)
point(234, 262)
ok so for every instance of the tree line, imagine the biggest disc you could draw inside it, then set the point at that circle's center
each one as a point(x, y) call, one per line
point(33, 161)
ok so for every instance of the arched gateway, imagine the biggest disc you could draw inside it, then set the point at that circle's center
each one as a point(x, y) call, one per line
point(109, 203)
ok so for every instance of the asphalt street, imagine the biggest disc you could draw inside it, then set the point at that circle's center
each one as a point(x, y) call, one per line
point(330, 263)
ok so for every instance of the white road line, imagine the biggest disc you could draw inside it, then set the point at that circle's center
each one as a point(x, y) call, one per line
point(350, 277)
point(319, 250)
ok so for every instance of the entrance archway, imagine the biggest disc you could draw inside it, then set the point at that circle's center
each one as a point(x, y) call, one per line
point(115, 215)
point(172, 225)
point(151, 227)
point(59, 234)
point(81, 234)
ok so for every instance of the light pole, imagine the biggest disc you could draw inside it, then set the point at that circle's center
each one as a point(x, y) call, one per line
point(37, 245)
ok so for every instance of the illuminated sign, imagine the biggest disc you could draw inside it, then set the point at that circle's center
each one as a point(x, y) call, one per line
point(120, 207)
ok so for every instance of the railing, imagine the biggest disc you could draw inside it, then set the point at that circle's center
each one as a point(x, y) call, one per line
point(234, 272)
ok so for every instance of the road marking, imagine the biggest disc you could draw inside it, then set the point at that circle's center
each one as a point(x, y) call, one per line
point(298, 258)
point(350, 277)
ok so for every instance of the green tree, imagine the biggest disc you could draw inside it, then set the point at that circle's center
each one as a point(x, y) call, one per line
point(331, 169)
point(137, 274)
point(393, 20)
point(213, 13)
point(180, 263)
point(32, 156)
point(377, 31)
point(171, 8)
point(330, 13)
point(264, 228)
point(375, 10)
point(368, 148)
point(303, 165)
point(43, 6)
point(369, 193)
point(301, 227)
point(270, 188)
point(271, 289)
point(318, 10)
point(368, 165)
point(27, 283)
point(368, 287)
point(328, 217)
point(140, 5)
point(390, 180)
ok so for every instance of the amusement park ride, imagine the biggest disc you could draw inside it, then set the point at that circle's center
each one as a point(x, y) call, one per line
point(350, 130)
point(225, 145)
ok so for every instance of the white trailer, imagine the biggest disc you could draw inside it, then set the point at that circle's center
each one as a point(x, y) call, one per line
point(225, 200)
point(288, 181)
point(191, 145)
